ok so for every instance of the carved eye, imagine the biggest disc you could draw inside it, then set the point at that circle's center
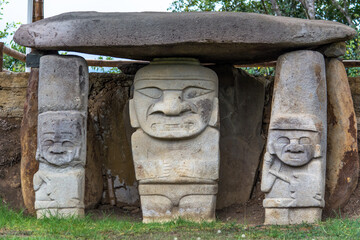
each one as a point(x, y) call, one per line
point(283, 140)
point(67, 144)
point(48, 143)
point(193, 92)
point(305, 140)
point(151, 92)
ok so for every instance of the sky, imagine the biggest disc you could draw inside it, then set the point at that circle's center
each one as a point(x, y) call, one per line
point(16, 10)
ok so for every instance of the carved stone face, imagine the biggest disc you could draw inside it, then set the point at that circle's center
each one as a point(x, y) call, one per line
point(172, 106)
point(295, 147)
point(60, 139)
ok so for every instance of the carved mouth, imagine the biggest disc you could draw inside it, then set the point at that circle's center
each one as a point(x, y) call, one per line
point(165, 127)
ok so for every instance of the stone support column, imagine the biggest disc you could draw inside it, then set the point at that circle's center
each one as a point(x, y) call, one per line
point(61, 151)
point(176, 145)
point(293, 175)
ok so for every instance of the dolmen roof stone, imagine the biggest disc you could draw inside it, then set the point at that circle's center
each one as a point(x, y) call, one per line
point(230, 37)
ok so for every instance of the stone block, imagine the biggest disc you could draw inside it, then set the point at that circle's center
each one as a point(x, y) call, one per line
point(293, 174)
point(166, 202)
point(334, 50)
point(63, 83)
point(342, 153)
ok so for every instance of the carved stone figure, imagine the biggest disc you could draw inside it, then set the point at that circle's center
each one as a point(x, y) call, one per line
point(176, 144)
point(61, 138)
point(61, 150)
point(293, 174)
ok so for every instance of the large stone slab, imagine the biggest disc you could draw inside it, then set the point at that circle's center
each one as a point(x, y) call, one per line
point(342, 169)
point(208, 36)
point(241, 104)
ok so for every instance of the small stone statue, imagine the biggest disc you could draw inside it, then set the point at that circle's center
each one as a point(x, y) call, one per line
point(60, 182)
point(176, 144)
point(293, 174)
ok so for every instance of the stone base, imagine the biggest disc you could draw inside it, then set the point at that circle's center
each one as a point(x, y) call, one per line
point(285, 216)
point(167, 202)
point(61, 213)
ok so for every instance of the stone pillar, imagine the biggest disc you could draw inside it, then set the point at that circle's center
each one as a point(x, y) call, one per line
point(293, 175)
point(176, 145)
point(61, 151)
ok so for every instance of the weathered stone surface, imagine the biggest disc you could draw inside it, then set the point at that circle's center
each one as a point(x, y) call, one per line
point(176, 99)
point(342, 169)
point(209, 36)
point(109, 132)
point(241, 103)
point(57, 189)
point(62, 123)
point(354, 83)
point(293, 174)
point(166, 202)
point(28, 136)
point(62, 139)
point(64, 87)
point(334, 50)
point(12, 93)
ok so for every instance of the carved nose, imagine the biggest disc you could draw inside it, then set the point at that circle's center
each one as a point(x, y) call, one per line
point(57, 149)
point(295, 148)
point(171, 104)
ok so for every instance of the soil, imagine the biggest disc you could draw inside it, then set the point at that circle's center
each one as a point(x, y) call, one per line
point(10, 186)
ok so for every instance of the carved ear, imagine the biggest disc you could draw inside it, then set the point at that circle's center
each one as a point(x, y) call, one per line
point(38, 155)
point(317, 151)
point(133, 118)
point(270, 148)
point(214, 119)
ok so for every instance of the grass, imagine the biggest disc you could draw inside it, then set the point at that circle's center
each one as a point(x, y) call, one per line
point(16, 225)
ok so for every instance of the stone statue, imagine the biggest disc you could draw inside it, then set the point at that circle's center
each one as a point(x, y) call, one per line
point(61, 147)
point(293, 174)
point(176, 144)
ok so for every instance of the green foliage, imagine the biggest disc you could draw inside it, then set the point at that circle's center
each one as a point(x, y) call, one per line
point(11, 63)
point(106, 70)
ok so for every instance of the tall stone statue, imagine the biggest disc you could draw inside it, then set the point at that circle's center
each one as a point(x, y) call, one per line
point(293, 174)
point(61, 145)
point(176, 144)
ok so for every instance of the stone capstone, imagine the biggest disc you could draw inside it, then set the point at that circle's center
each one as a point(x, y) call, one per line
point(231, 37)
point(293, 174)
point(342, 153)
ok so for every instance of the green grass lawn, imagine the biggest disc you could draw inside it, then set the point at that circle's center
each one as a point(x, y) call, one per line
point(15, 225)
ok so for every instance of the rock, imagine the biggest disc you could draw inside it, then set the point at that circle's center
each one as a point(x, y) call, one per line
point(342, 168)
point(109, 132)
point(210, 36)
point(28, 136)
point(176, 143)
point(334, 50)
point(241, 101)
point(293, 174)
point(12, 94)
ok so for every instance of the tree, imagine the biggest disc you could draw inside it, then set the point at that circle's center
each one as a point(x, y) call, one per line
point(343, 11)
point(11, 63)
